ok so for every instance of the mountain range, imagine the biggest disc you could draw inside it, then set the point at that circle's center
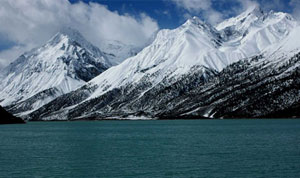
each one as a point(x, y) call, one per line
point(244, 67)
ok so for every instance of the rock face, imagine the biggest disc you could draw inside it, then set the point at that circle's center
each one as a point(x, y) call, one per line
point(7, 118)
point(248, 66)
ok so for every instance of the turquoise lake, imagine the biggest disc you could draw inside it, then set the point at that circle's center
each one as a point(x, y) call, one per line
point(177, 148)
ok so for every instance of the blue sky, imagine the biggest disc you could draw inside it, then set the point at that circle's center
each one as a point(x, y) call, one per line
point(169, 14)
point(164, 12)
point(26, 24)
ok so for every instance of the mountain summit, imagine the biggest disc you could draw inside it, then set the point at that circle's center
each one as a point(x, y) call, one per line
point(66, 62)
point(251, 15)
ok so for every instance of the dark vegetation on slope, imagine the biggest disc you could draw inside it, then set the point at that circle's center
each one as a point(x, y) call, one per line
point(242, 90)
point(252, 88)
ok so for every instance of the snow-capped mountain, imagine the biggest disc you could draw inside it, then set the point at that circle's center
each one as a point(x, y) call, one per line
point(189, 61)
point(117, 52)
point(253, 31)
point(64, 63)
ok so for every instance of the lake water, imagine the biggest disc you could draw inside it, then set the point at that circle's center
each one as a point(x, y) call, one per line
point(178, 148)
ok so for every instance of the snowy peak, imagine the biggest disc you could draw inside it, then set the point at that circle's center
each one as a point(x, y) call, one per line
point(252, 17)
point(253, 31)
point(244, 20)
point(114, 51)
point(253, 10)
point(66, 62)
point(69, 36)
point(196, 23)
point(72, 33)
point(199, 31)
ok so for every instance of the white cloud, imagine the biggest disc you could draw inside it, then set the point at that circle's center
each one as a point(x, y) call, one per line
point(247, 4)
point(213, 16)
point(206, 10)
point(2, 63)
point(8, 55)
point(194, 5)
point(203, 7)
point(30, 23)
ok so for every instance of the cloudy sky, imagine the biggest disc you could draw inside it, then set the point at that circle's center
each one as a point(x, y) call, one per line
point(26, 24)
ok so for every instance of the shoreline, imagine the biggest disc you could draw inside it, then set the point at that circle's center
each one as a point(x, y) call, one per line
point(177, 119)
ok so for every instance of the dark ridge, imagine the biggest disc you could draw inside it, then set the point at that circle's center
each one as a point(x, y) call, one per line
point(293, 112)
point(7, 118)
